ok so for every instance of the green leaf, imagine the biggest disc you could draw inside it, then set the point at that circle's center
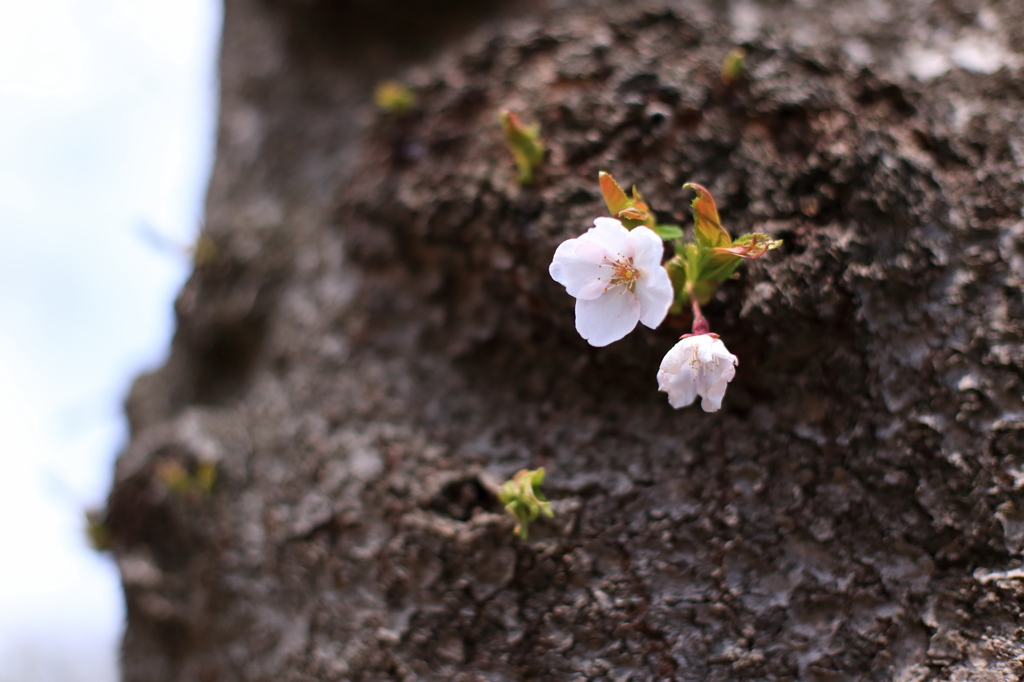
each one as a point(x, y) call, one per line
point(708, 231)
point(703, 289)
point(750, 246)
point(700, 266)
point(614, 197)
point(631, 212)
point(668, 232)
point(718, 268)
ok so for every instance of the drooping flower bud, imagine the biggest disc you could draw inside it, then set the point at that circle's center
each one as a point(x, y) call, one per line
point(699, 365)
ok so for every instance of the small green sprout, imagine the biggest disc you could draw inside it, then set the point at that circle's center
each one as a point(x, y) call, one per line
point(733, 65)
point(182, 482)
point(524, 143)
point(523, 500)
point(96, 530)
point(394, 96)
point(203, 251)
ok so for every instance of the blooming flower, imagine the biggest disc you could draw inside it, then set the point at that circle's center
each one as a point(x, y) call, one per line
point(697, 365)
point(617, 279)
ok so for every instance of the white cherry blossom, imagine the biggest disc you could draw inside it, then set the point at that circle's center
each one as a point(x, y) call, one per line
point(617, 279)
point(697, 365)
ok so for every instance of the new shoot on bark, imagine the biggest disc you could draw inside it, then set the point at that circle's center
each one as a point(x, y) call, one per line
point(523, 500)
point(203, 251)
point(181, 481)
point(525, 144)
point(96, 530)
point(394, 97)
point(733, 65)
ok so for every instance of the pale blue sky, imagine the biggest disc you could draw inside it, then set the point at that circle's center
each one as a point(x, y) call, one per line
point(106, 130)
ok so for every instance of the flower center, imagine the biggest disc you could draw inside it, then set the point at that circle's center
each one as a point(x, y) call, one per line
point(624, 273)
point(702, 368)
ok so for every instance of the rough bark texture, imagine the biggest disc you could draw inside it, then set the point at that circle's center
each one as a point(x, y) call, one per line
point(376, 342)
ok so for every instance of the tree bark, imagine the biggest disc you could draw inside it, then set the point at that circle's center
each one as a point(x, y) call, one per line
point(372, 342)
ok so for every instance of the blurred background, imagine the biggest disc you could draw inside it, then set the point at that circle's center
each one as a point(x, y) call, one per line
point(107, 114)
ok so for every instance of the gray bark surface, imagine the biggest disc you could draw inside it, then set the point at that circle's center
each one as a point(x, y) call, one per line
point(375, 343)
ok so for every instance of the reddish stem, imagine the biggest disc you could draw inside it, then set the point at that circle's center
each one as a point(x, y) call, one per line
point(700, 325)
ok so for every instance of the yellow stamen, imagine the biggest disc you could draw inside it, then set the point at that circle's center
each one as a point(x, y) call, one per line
point(624, 273)
point(701, 367)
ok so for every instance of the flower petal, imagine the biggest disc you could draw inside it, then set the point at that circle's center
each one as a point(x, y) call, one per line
point(711, 403)
point(653, 287)
point(712, 400)
point(672, 363)
point(720, 371)
point(581, 277)
point(592, 252)
point(609, 318)
point(594, 289)
point(655, 292)
point(704, 345)
point(681, 388)
point(648, 248)
point(719, 350)
point(610, 234)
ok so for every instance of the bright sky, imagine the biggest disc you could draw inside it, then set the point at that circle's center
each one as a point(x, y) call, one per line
point(106, 132)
